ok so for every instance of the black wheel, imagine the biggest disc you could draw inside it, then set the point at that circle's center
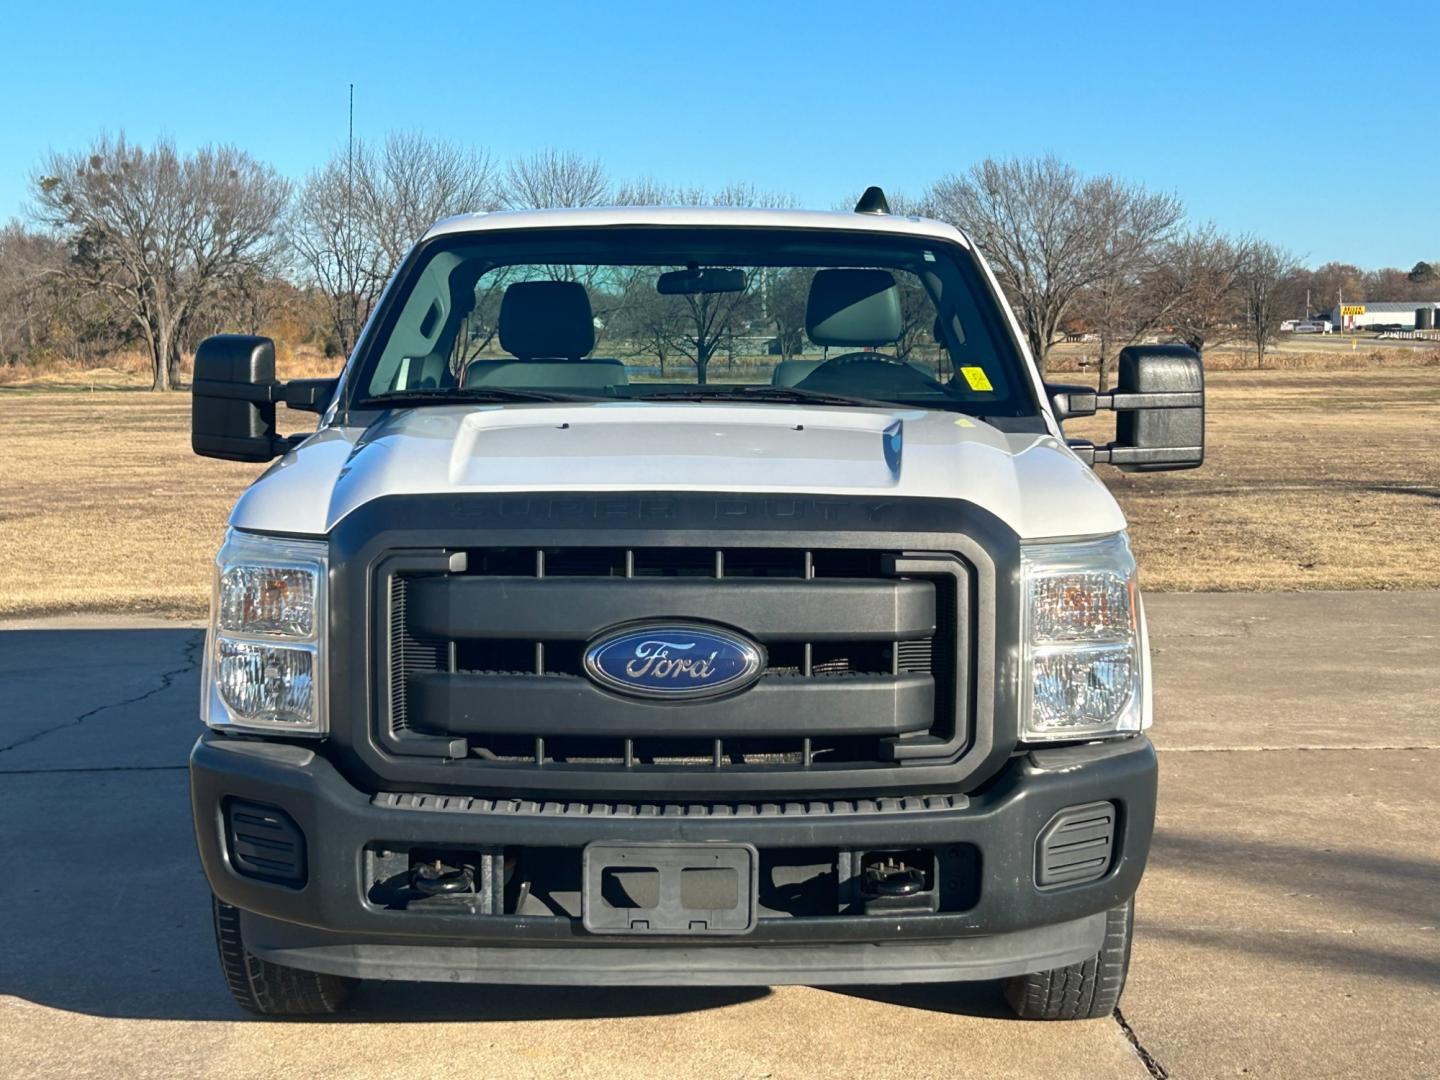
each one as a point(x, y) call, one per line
point(1081, 991)
point(272, 989)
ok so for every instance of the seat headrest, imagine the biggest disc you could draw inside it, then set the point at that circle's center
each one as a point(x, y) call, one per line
point(546, 319)
point(853, 307)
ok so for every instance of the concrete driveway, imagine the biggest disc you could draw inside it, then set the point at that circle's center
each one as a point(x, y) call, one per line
point(1287, 927)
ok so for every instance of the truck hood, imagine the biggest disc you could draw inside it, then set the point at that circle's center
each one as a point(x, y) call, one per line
point(1032, 482)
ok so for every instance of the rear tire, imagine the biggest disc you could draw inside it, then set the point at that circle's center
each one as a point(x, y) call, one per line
point(272, 989)
point(1081, 991)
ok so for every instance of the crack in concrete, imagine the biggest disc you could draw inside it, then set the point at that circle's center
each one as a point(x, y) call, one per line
point(167, 680)
point(1153, 1067)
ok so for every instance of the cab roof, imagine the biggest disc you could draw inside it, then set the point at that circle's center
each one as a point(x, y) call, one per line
point(696, 216)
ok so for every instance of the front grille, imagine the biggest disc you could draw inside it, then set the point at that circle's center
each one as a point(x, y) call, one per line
point(483, 657)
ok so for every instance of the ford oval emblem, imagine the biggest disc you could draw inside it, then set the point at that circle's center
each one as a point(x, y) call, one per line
point(674, 661)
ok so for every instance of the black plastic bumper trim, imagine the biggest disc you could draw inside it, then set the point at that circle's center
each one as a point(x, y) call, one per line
point(860, 963)
point(468, 804)
point(1002, 823)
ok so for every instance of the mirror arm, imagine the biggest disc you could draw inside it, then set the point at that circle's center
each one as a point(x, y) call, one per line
point(1070, 401)
point(302, 395)
point(263, 393)
point(1119, 401)
point(308, 395)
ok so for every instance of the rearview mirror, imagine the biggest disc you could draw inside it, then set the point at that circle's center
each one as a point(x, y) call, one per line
point(233, 398)
point(707, 279)
point(1160, 396)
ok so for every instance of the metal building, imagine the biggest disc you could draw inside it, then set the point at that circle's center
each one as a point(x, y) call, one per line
point(1389, 313)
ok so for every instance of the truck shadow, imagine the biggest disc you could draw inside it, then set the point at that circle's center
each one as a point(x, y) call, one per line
point(113, 920)
point(979, 999)
point(1350, 911)
point(105, 909)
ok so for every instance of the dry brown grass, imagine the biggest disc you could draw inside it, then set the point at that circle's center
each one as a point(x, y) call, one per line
point(1285, 357)
point(1314, 480)
point(131, 370)
point(104, 508)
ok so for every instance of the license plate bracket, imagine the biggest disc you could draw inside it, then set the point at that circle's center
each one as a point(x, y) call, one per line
point(670, 889)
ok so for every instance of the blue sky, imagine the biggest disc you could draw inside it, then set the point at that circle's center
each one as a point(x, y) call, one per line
point(1315, 125)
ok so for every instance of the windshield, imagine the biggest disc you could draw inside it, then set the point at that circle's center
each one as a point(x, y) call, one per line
point(665, 314)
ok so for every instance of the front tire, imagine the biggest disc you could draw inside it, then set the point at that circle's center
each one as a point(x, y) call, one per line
point(272, 989)
point(1081, 991)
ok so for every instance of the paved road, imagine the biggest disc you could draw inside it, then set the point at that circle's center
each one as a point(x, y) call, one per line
point(1288, 926)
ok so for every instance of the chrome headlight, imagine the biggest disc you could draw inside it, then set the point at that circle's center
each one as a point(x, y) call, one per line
point(1083, 656)
point(265, 654)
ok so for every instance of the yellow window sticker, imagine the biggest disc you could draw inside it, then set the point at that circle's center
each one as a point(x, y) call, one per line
point(976, 378)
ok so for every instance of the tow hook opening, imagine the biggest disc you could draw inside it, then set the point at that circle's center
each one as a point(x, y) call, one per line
point(893, 881)
point(437, 878)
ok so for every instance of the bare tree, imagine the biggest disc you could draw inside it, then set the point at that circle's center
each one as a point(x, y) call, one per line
point(1267, 283)
point(359, 214)
point(413, 181)
point(1035, 219)
point(917, 316)
point(652, 323)
point(787, 292)
point(159, 232)
point(644, 191)
point(31, 265)
point(1133, 225)
point(700, 324)
point(1329, 283)
point(1392, 283)
point(337, 254)
point(1198, 279)
point(710, 321)
point(553, 178)
point(740, 194)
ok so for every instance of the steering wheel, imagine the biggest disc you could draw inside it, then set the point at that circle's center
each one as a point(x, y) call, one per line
point(852, 359)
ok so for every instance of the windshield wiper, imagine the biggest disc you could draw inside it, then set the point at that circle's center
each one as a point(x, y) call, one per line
point(795, 394)
point(471, 395)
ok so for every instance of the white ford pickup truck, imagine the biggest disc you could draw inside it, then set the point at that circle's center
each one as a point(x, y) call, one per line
point(677, 597)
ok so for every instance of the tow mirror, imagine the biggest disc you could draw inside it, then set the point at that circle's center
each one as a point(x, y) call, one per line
point(1160, 396)
point(234, 394)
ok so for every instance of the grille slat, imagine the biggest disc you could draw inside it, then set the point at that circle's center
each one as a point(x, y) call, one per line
point(408, 653)
point(843, 609)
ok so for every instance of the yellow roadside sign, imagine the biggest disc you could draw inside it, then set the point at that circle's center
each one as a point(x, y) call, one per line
point(1353, 309)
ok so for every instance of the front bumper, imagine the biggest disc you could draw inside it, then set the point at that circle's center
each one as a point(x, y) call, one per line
point(330, 923)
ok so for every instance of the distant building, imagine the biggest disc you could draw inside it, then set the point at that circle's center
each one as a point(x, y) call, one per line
point(1399, 313)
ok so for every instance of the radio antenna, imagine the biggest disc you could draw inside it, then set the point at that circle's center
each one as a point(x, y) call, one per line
point(350, 164)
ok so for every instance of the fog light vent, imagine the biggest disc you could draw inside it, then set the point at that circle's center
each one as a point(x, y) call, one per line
point(1075, 846)
point(264, 843)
